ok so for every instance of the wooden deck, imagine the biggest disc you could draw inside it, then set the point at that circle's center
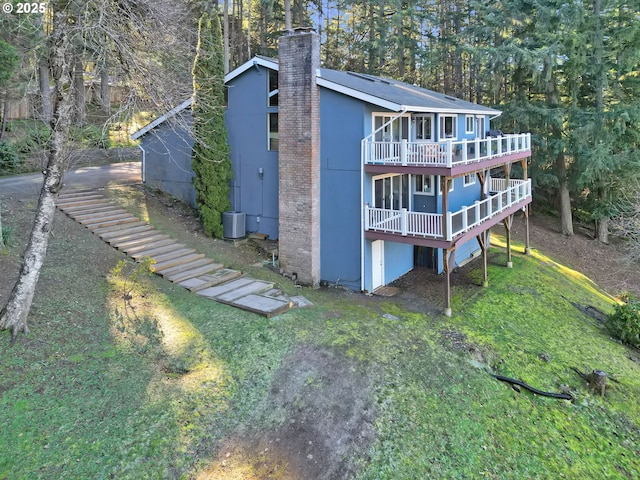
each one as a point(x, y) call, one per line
point(174, 261)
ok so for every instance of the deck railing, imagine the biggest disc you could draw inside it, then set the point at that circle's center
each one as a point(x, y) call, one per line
point(430, 225)
point(446, 153)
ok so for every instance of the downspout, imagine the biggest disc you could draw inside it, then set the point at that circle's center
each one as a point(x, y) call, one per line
point(362, 156)
point(144, 163)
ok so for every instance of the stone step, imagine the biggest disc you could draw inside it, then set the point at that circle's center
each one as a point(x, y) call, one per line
point(261, 305)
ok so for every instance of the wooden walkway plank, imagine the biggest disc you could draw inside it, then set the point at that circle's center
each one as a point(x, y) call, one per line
point(180, 277)
point(218, 290)
point(210, 280)
point(148, 236)
point(172, 272)
point(149, 245)
point(111, 223)
point(180, 252)
point(173, 261)
point(69, 200)
point(77, 203)
point(86, 208)
point(110, 233)
point(261, 305)
point(156, 251)
point(160, 266)
point(98, 215)
point(105, 231)
point(254, 287)
point(115, 241)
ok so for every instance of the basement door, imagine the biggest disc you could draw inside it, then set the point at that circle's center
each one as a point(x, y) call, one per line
point(377, 264)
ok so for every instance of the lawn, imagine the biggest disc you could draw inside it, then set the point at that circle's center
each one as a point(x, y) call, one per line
point(172, 385)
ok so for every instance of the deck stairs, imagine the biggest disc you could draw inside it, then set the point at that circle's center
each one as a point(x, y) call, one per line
point(174, 261)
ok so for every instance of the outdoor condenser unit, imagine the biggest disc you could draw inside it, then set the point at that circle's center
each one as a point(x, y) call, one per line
point(234, 224)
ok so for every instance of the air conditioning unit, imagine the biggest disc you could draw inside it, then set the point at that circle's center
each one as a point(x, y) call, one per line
point(234, 224)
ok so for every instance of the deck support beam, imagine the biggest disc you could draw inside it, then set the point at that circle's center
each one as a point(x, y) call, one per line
point(508, 223)
point(449, 262)
point(483, 241)
point(527, 247)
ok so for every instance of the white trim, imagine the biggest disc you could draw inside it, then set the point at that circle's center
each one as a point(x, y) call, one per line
point(163, 118)
point(466, 123)
point(472, 182)
point(432, 192)
point(263, 62)
point(441, 126)
point(359, 95)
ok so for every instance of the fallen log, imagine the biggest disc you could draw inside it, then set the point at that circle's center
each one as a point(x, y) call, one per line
point(513, 381)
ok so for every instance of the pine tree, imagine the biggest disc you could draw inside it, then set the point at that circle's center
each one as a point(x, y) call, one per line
point(211, 162)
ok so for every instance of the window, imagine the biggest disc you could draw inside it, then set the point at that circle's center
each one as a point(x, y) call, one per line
point(272, 141)
point(448, 127)
point(469, 179)
point(393, 131)
point(273, 88)
point(441, 181)
point(391, 192)
point(469, 120)
point(423, 127)
point(423, 184)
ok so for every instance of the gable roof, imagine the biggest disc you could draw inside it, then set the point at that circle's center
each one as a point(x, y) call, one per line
point(162, 119)
point(383, 92)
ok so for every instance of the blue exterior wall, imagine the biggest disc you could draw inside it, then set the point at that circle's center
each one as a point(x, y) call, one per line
point(343, 124)
point(167, 157)
point(246, 119)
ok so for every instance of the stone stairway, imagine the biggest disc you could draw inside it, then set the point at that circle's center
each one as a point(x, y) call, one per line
point(174, 261)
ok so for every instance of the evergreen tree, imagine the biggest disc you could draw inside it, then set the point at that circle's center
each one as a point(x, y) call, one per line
point(211, 162)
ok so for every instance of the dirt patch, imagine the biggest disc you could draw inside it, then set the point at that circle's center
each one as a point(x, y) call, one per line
point(329, 412)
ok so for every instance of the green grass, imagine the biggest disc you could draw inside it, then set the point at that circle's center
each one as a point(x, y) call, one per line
point(101, 390)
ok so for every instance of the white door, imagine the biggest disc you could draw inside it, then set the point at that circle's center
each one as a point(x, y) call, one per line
point(377, 264)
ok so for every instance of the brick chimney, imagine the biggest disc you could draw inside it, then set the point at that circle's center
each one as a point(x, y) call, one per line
point(299, 155)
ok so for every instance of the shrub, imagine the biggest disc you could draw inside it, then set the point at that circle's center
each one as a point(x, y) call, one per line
point(624, 322)
point(7, 235)
point(90, 136)
point(10, 161)
point(35, 140)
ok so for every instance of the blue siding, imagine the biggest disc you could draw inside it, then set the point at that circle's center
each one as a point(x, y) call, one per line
point(246, 119)
point(342, 127)
point(167, 158)
point(398, 260)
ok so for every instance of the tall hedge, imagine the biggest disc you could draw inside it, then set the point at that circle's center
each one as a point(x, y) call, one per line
point(210, 162)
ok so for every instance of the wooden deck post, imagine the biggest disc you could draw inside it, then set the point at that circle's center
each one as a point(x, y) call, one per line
point(449, 259)
point(483, 241)
point(527, 249)
point(508, 222)
point(444, 185)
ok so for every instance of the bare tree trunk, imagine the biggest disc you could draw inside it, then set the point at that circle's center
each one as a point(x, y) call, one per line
point(225, 35)
point(1, 235)
point(5, 112)
point(45, 90)
point(287, 14)
point(602, 230)
point(13, 316)
point(79, 117)
point(105, 89)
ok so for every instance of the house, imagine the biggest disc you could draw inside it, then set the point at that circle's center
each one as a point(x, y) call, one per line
point(360, 178)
